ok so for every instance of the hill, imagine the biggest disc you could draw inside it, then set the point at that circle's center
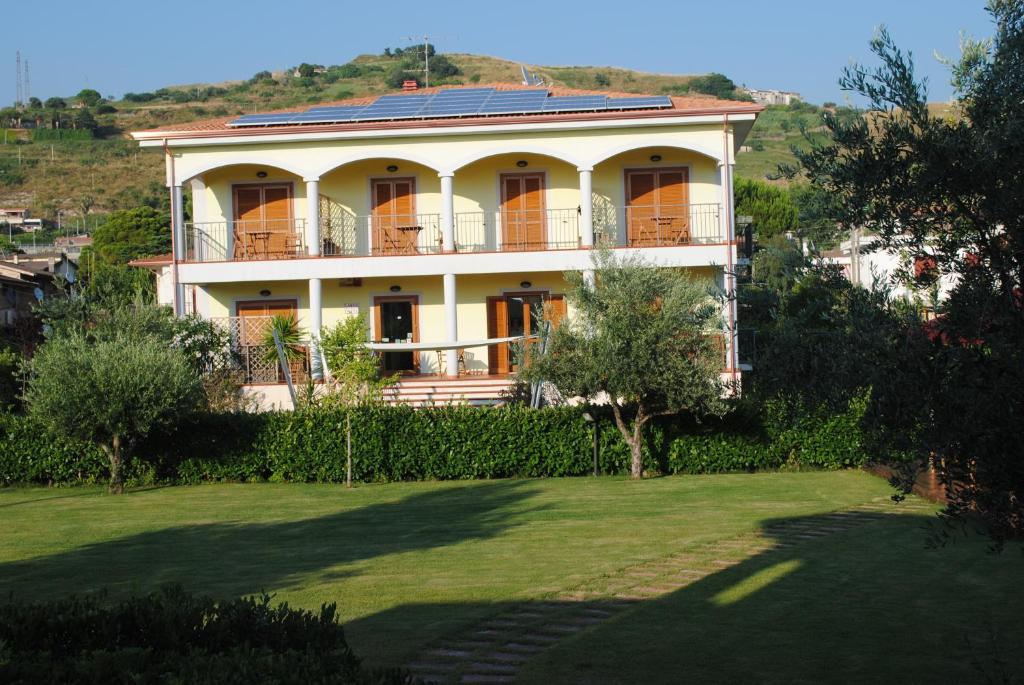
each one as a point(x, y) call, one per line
point(106, 172)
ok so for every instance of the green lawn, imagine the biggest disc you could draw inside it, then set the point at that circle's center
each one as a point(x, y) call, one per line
point(411, 563)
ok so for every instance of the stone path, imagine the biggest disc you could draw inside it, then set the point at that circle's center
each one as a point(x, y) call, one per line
point(494, 650)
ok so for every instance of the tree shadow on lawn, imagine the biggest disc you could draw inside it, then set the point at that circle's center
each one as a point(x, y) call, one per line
point(866, 604)
point(227, 559)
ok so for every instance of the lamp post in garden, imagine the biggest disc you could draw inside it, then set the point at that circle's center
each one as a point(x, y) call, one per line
point(590, 418)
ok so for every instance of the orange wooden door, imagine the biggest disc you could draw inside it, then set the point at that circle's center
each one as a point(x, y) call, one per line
point(395, 225)
point(523, 225)
point(657, 207)
point(497, 327)
point(518, 314)
point(263, 225)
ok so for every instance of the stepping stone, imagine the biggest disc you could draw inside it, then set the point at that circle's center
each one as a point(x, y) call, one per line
point(538, 638)
point(522, 647)
point(431, 667)
point(502, 623)
point(515, 657)
point(486, 678)
point(563, 628)
point(490, 667)
point(603, 613)
point(450, 652)
point(584, 620)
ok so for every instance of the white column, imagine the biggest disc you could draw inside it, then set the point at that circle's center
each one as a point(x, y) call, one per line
point(315, 321)
point(313, 217)
point(447, 213)
point(180, 248)
point(586, 208)
point(451, 325)
point(588, 278)
point(727, 227)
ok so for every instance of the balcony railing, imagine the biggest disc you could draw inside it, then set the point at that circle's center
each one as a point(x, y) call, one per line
point(215, 241)
point(389, 234)
point(659, 225)
point(350, 235)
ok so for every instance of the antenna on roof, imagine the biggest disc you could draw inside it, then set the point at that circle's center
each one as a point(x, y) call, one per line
point(528, 78)
point(426, 57)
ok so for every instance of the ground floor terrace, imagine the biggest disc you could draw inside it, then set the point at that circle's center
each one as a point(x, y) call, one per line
point(806, 577)
point(440, 327)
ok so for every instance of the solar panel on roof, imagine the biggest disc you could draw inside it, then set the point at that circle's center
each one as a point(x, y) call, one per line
point(514, 102)
point(575, 103)
point(455, 103)
point(651, 102)
point(262, 119)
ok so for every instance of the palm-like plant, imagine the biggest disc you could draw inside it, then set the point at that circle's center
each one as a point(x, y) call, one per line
point(290, 335)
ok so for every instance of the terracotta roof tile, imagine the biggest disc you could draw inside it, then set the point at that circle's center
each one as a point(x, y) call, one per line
point(685, 103)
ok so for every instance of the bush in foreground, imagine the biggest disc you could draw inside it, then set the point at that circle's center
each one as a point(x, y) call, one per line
point(173, 637)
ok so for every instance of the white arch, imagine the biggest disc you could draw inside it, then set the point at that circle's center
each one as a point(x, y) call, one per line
point(701, 149)
point(234, 160)
point(512, 147)
point(365, 155)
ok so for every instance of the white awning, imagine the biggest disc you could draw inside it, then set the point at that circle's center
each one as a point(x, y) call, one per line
point(426, 346)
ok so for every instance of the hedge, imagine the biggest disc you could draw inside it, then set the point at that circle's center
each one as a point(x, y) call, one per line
point(445, 443)
point(171, 636)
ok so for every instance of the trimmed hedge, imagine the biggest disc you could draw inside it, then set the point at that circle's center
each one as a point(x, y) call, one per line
point(445, 443)
point(171, 636)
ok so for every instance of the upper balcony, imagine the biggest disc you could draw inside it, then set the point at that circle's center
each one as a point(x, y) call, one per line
point(345, 234)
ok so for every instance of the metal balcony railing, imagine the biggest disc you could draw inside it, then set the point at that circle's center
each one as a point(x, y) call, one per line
point(517, 231)
point(214, 241)
point(349, 235)
point(659, 225)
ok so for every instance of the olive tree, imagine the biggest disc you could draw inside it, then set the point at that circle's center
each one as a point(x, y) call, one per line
point(643, 339)
point(111, 392)
point(946, 189)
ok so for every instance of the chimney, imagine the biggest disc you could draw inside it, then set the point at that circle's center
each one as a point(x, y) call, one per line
point(50, 263)
point(15, 257)
point(410, 84)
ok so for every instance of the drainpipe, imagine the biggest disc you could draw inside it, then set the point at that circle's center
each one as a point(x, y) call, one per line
point(176, 304)
point(730, 274)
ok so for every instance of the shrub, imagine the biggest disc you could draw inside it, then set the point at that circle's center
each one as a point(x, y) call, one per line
point(444, 443)
point(171, 636)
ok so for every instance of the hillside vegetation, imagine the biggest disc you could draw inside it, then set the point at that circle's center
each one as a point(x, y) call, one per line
point(90, 166)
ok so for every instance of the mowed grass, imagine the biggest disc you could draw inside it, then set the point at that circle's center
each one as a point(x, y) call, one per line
point(410, 563)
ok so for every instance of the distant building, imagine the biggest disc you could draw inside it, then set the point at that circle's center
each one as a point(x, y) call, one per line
point(865, 267)
point(773, 97)
point(32, 225)
point(72, 244)
point(25, 280)
point(15, 216)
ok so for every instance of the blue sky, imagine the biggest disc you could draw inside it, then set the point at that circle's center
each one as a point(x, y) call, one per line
point(787, 44)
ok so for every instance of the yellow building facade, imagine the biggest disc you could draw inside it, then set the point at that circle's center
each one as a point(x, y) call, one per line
point(447, 233)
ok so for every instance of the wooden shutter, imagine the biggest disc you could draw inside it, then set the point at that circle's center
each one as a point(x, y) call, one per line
point(556, 310)
point(674, 205)
point(523, 211)
point(641, 197)
point(658, 211)
point(497, 327)
point(394, 216)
